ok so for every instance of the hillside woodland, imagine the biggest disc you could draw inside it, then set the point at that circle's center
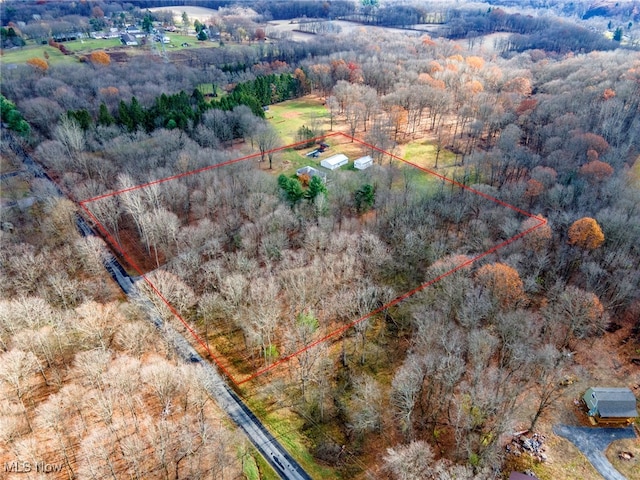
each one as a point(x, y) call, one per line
point(262, 264)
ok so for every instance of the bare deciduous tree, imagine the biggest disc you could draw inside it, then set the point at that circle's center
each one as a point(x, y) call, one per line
point(366, 407)
point(16, 369)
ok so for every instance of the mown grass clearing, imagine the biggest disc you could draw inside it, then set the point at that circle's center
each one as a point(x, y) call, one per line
point(21, 55)
point(177, 40)
point(565, 462)
point(423, 153)
point(288, 161)
point(287, 117)
point(87, 45)
point(250, 468)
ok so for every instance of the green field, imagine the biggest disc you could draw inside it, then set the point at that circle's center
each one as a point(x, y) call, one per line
point(84, 46)
point(423, 153)
point(87, 45)
point(177, 39)
point(21, 55)
point(287, 117)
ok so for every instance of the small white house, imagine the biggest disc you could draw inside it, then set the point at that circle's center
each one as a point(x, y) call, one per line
point(335, 161)
point(363, 162)
point(312, 172)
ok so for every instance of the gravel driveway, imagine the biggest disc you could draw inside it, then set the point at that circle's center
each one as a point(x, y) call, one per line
point(592, 442)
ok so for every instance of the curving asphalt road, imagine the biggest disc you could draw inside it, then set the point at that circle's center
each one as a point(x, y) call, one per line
point(272, 450)
point(593, 442)
point(268, 446)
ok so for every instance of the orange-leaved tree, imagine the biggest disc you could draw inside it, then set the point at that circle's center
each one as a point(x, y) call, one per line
point(475, 62)
point(100, 57)
point(503, 282)
point(112, 91)
point(534, 188)
point(586, 233)
point(38, 63)
point(596, 171)
point(608, 93)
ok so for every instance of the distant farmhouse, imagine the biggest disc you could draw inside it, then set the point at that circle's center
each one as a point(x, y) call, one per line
point(610, 405)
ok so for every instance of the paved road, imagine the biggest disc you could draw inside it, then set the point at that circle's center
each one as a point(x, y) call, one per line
point(593, 442)
point(272, 450)
point(286, 467)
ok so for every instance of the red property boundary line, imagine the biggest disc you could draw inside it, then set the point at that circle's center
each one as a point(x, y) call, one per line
point(395, 301)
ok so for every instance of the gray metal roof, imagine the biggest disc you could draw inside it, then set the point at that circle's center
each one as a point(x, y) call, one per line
point(615, 402)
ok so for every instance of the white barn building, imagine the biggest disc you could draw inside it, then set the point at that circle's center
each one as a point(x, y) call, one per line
point(335, 161)
point(363, 162)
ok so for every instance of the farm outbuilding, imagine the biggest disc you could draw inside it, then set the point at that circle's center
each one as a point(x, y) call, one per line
point(363, 162)
point(128, 39)
point(312, 172)
point(611, 405)
point(335, 161)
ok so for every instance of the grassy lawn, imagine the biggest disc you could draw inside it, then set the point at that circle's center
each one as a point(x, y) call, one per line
point(21, 55)
point(207, 89)
point(287, 117)
point(90, 44)
point(177, 39)
point(288, 161)
point(423, 154)
point(87, 45)
point(255, 467)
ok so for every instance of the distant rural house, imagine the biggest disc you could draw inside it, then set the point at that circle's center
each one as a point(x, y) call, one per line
point(363, 162)
point(335, 161)
point(311, 172)
point(610, 405)
point(128, 39)
point(67, 37)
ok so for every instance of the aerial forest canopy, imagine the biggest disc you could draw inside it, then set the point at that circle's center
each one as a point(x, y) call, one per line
point(400, 321)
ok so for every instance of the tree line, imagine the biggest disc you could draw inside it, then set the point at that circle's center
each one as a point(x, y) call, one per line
point(186, 112)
